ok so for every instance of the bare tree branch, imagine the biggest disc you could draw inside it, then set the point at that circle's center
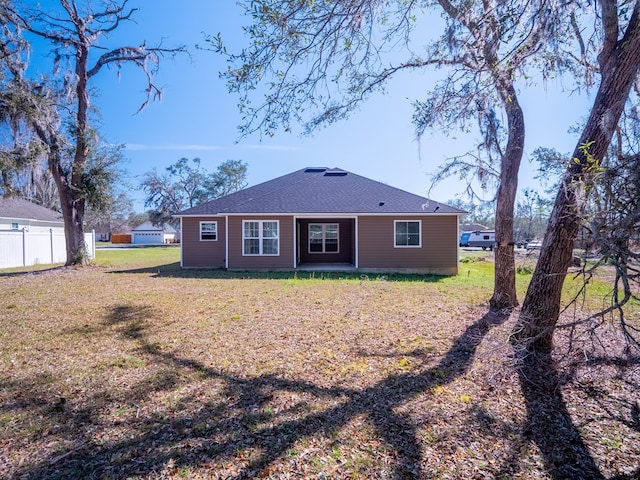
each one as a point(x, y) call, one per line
point(72, 31)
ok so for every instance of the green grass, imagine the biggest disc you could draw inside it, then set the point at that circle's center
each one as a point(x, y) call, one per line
point(474, 280)
point(131, 258)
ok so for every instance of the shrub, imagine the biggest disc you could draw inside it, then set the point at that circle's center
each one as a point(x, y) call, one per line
point(524, 269)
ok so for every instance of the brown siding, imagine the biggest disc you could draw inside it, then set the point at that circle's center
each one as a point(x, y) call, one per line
point(438, 254)
point(196, 253)
point(283, 261)
point(345, 254)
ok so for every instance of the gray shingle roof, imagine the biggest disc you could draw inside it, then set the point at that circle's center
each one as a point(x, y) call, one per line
point(20, 208)
point(320, 191)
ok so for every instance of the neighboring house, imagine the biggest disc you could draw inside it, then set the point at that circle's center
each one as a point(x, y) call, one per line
point(322, 218)
point(147, 233)
point(31, 234)
point(104, 231)
point(18, 214)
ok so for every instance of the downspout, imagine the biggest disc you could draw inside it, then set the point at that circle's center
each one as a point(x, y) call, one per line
point(458, 245)
point(51, 243)
point(356, 246)
point(181, 243)
point(226, 242)
point(295, 243)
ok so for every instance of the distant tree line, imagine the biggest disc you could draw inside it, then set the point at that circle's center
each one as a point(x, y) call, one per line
point(186, 184)
point(530, 217)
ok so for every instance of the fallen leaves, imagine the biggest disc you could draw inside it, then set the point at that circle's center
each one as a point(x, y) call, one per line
point(191, 377)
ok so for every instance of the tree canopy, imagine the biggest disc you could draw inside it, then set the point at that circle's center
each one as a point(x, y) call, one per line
point(315, 62)
point(56, 106)
point(187, 184)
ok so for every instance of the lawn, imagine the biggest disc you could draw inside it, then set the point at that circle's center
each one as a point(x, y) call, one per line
point(134, 368)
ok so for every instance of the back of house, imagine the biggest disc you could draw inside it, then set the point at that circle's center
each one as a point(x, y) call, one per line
point(322, 218)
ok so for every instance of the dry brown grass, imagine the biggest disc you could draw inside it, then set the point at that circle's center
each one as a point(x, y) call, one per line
point(165, 374)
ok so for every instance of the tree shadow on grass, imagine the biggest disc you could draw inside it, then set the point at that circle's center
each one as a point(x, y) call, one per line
point(31, 271)
point(615, 406)
point(240, 429)
point(549, 424)
point(218, 431)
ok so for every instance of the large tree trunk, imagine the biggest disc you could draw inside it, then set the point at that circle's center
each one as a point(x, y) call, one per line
point(504, 293)
point(619, 63)
point(72, 30)
point(71, 203)
point(73, 215)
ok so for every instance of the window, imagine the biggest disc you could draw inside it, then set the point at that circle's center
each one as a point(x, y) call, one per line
point(15, 226)
point(260, 237)
point(323, 238)
point(408, 233)
point(208, 231)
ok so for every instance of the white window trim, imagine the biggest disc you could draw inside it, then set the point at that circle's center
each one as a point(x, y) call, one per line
point(395, 223)
point(209, 239)
point(261, 238)
point(323, 238)
point(15, 226)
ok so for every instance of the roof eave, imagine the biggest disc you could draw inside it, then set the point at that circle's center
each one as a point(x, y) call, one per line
point(319, 214)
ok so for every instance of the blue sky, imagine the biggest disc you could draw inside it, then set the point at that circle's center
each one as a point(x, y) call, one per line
point(197, 117)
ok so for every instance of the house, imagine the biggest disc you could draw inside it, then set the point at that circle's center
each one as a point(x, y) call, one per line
point(19, 214)
point(148, 233)
point(104, 231)
point(321, 218)
point(30, 234)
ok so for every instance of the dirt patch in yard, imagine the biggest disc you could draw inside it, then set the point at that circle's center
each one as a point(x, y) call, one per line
point(138, 375)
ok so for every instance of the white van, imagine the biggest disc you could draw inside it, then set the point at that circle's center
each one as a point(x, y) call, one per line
point(482, 238)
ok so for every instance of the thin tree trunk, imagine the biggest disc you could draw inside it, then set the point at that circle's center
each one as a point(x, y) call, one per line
point(504, 293)
point(541, 307)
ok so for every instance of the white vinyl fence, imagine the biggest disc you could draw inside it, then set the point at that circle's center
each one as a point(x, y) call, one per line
point(21, 248)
